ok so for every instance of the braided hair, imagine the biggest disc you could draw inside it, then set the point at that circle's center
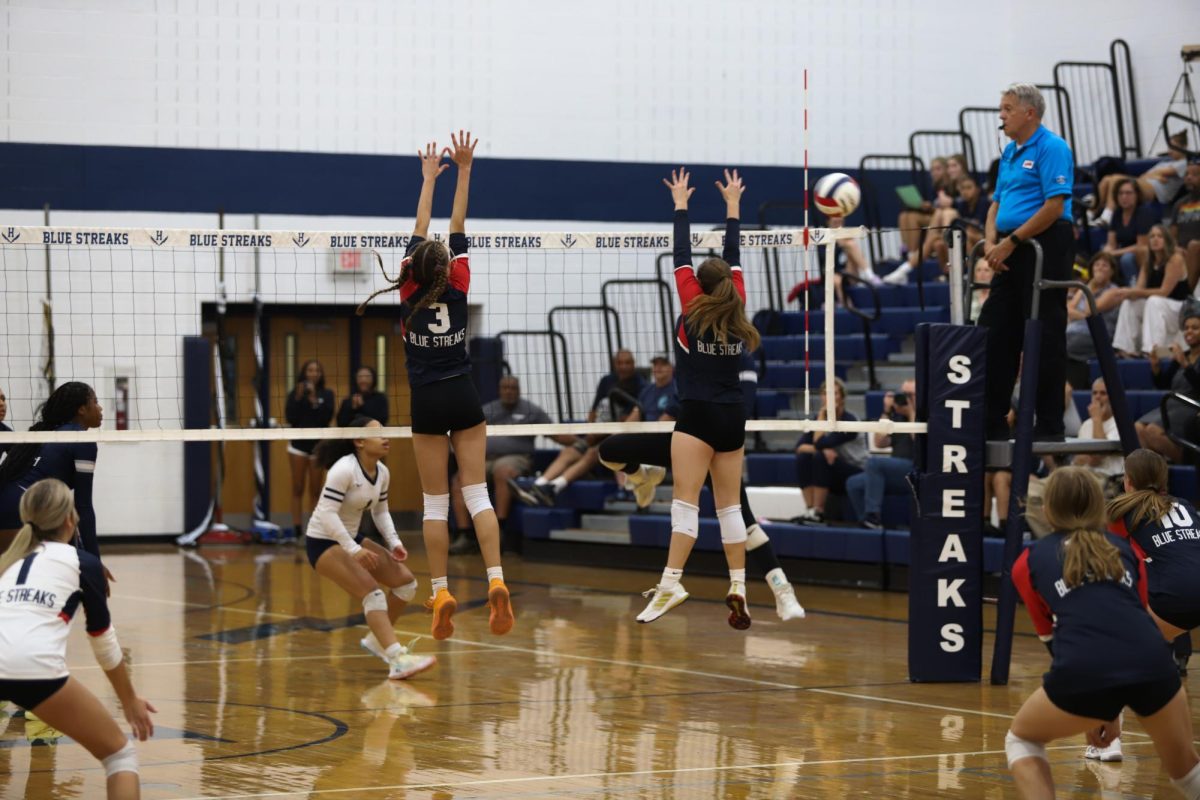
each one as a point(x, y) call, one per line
point(62, 407)
point(429, 265)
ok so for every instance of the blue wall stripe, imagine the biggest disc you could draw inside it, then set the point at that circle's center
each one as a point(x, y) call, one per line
point(163, 179)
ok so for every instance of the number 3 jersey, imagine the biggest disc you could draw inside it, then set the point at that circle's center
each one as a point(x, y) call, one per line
point(435, 338)
point(1170, 547)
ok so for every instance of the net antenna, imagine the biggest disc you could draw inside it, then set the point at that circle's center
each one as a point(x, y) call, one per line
point(805, 258)
point(48, 316)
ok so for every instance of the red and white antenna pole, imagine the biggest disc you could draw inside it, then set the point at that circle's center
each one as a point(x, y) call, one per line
point(807, 273)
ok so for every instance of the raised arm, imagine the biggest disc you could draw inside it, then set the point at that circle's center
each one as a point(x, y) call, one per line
point(462, 155)
point(685, 276)
point(431, 167)
point(732, 191)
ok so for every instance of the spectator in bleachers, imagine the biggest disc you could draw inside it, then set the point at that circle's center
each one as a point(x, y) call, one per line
point(507, 458)
point(983, 274)
point(1149, 316)
point(1100, 425)
point(615, 400)
point(659, 395)
point(886, 473)
point(310, 405)
point(956, 169)
point(958, 197)
point(827, 461)
point(1104, 279)
point(1184, 220)
point(1129, 226)
point(366, 401)
point(1182, 376)
point(1158, 184)
point(911, 220)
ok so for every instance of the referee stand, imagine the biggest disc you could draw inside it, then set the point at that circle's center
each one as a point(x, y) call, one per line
point(1020, 452)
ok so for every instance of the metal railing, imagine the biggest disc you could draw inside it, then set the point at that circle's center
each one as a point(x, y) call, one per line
point(560, 368)
point(872, 204)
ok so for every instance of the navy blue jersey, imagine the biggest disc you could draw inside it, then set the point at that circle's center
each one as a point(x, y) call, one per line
point(73, 463)
point(435, 338)
point(300, 412)
point(708, 370)
point(1103, 636)
point(1170, 547)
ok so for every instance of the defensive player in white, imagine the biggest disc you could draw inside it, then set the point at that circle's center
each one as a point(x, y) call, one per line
point(357, 481)
point(44, 579)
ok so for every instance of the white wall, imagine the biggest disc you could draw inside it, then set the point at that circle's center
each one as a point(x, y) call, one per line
point(629, 80)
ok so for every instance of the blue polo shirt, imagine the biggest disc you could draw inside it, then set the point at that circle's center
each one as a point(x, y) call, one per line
point(1041, 168)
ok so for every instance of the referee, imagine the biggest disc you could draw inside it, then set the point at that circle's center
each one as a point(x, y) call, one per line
point(1032, 200)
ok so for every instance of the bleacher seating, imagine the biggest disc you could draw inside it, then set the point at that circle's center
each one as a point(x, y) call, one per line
point(782, 374)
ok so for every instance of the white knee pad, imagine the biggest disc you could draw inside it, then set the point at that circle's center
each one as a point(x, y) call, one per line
point(685, 518)
point(124, 760)
point(1189, 785)
point(1017, 748)
point(756, 537)
point(733, 527)
point(437, 507)
point(406, 592)
point(375, 601)
point(476, 498)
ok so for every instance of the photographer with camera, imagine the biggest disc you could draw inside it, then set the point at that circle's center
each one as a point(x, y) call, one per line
point(885, 473)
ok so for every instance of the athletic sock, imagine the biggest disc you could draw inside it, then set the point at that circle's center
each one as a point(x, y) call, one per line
point(670, 578)
point(559, 484)
point(394, 652)
point(495, 572)
point(737, 575)
point(437, 584)
point(541, 481)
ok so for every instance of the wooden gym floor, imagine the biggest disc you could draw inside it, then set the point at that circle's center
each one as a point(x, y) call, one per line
point(263, 692)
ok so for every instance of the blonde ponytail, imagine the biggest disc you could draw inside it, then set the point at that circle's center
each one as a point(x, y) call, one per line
point(45, 508)
point(1074, 504)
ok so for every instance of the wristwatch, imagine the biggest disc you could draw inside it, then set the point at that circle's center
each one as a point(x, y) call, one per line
point(1016, 240)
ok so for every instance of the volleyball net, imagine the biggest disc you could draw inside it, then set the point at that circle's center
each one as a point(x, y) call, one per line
point(116, 307)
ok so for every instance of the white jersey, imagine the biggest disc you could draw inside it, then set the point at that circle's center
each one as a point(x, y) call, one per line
point(347, 494)
point(39, 596)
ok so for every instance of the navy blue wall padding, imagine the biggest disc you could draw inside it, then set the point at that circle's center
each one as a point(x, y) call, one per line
point(945, 618)
point(106, 178)
point(197, 414)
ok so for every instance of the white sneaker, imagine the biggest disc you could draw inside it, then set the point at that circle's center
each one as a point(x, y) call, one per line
point(407, 665)
point(644, 483)
point(898, 276)
point(739, 609)
point(1110, 753)
point(662, 600)
point(786, 604)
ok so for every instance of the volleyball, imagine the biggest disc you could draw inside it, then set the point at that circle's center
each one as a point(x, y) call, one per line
point(837, 194)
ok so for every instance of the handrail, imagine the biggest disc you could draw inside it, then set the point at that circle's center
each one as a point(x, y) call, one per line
point(1135, 125)
point(611, 320)
point(871, 204)
point(867, 319)
point(1112, 74)
point(1178, 438)
point(1194, 123)
point(666, 305)
point(560, 340)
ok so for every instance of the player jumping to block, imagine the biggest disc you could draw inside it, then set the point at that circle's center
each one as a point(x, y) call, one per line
point(710, 432)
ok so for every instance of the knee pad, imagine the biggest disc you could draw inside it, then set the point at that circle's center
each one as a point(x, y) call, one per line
point(685, 518)
point(406, 592)
point(1017, 748)
point(1189, 785)
point(733, 527)
point(437, 507)
point(375, 601)
point(755, 537)
point(124, 760)
point(476, 498)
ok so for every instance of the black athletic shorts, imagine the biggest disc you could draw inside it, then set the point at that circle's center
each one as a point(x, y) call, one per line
point(30, 694)
point(316, 547)
point(1105, 704)
point(721, 426)
point(1180, 612)
point(444, 406)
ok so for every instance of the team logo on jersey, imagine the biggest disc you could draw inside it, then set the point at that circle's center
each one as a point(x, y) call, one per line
point(569, 240)
point(301, 239)
point(1060, 180)
point(10, 235)
point(159, 238)
point(1028, 164)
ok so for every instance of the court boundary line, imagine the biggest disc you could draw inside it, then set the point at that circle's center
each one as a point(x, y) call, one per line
point(632, 773)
